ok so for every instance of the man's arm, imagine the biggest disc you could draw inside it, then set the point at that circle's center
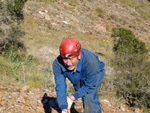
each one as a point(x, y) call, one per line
point(61, 86)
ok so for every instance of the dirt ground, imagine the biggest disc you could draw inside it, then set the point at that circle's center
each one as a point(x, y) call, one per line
point(26, 100)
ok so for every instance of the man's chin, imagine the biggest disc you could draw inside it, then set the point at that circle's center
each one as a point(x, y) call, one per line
point(71, 68)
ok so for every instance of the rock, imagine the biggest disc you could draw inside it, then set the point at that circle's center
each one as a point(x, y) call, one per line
point(137, 110)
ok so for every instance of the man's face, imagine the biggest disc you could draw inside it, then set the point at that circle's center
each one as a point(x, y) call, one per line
point(71, 63)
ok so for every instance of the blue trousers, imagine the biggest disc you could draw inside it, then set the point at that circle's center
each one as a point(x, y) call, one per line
point(90, 101)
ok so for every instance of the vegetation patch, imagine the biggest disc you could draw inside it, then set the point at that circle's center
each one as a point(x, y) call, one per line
point(131, 68)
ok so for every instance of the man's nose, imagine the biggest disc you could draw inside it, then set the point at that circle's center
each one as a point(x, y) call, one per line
point(69, 62)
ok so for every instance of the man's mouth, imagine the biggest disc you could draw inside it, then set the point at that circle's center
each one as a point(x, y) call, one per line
point(70, 67)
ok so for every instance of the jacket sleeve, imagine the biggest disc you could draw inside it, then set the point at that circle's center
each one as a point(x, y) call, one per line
point(94, 75)
point(61, 86)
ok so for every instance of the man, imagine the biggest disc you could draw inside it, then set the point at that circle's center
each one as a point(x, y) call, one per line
point(84, 70)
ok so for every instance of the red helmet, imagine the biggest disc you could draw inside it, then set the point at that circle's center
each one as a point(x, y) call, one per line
point(70, 47)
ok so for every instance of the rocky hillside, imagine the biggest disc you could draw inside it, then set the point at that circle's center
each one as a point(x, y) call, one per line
point(31, 100)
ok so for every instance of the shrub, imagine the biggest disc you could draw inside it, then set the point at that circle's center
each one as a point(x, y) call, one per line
point(16, 6)
point(10, 37)
point(127, 42)
point(100, 12)
point(12, 41)
point(132, 80)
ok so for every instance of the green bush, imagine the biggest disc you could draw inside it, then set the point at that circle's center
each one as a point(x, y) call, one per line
point(15, 32)
point(132, 72)
point(1, 32)
point(73, 3)
point(125, 41)
point(16, 6)
point(13, 48)
point(100, 12)
point(10, 36)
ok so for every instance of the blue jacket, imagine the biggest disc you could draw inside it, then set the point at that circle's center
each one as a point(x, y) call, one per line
point(83, 79)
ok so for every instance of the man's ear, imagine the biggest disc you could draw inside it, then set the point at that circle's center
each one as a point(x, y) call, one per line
point(79, 56)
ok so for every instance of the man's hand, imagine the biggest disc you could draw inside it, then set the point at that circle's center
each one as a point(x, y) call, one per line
point(70, 102)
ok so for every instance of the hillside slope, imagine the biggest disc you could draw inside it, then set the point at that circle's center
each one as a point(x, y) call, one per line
point(45, 24)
